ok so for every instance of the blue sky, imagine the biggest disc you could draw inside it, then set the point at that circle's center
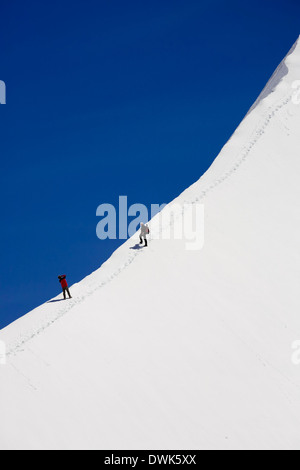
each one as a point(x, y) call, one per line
point(110, 98)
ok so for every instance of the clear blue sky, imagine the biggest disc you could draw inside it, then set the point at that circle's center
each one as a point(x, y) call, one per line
point(109, 98)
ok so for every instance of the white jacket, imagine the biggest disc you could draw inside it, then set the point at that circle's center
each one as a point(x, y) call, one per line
point(144, 230)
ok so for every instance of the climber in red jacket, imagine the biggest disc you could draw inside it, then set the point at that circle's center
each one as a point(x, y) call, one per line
point(64, 285)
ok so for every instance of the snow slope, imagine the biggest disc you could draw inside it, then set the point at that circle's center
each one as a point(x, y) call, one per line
point(166, 348)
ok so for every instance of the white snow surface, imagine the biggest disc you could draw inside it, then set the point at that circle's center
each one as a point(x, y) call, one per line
point(165, 348)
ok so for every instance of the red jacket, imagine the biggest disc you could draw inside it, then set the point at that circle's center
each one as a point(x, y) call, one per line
point(63, 282)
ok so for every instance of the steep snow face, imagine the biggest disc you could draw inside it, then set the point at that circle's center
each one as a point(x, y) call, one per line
point(167, 348)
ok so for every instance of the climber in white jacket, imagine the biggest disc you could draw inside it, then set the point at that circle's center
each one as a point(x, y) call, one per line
point(143, 235)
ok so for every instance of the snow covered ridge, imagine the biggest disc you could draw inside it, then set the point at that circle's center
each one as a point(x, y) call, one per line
point(285, 82)
point(168, 348)
point(281, 71)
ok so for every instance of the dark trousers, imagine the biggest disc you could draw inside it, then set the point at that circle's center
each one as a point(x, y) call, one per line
point(65, 292)
point(145, 240)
